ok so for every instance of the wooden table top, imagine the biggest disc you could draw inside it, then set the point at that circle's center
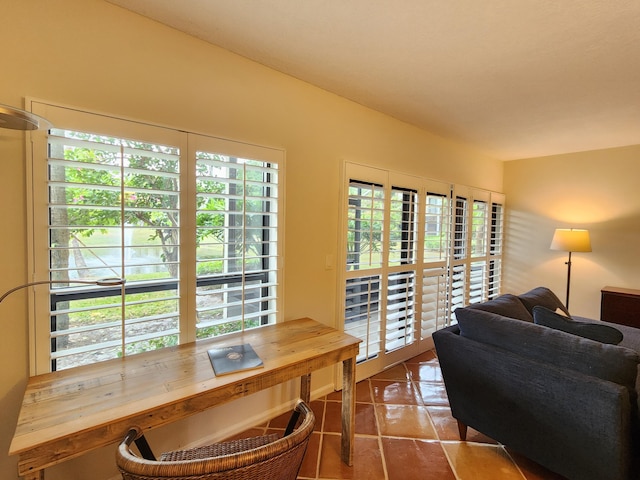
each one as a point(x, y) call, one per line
point(625, 291)
point(67, 413)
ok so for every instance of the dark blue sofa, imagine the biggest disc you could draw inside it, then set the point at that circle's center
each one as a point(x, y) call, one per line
point(567, 402)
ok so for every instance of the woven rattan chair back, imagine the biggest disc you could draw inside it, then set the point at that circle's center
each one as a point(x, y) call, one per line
point(265, 458)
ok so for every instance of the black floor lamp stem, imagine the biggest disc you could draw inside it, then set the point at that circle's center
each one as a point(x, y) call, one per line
point(568, 263)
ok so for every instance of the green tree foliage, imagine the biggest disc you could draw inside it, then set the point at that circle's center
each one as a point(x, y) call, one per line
point(133, 184)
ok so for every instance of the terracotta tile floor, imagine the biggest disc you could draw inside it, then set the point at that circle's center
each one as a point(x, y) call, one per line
point(405, 431)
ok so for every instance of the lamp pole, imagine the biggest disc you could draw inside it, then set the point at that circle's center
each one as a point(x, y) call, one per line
point(570, 240)
point(568, 262)
point(103, 282)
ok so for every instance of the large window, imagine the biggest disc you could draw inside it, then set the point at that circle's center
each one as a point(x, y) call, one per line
point(191, 223)
point(415, 250)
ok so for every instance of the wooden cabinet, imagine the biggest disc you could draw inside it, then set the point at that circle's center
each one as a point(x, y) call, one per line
point(620, 305)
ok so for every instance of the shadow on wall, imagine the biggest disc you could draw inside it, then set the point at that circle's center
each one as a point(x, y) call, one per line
point(529, 262)
point(527, 240)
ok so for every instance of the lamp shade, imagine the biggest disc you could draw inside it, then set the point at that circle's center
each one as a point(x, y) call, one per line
point(17, 119)
point(571, 240)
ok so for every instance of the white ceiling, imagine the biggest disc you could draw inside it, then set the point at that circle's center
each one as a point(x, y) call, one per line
point(516, 78)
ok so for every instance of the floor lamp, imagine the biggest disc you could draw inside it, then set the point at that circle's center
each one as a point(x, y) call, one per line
point(570, 240)
point(103, 282)
point(17, 119)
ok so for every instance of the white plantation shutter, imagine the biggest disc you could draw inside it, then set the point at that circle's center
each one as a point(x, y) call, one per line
point(495, 245)
point(400, 318)
point(237, 238)
point(437, 225)
point(436, 252)
point(191, 222)
point(460, 253)
point(435, 282)
point(362, 314)
point(476, 265)
point(113, 212)
point(365, 224)
point(478, 248)
point(477, 277)
point(403, 226)
point(415, 250)
point(460, 228)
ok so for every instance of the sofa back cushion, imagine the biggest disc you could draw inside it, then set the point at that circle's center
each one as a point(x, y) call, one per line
point(506, 305)
point(543, 297)
point(608, 362)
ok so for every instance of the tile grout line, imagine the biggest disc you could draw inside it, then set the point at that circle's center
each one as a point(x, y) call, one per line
point(378, 413)
point(321, 441)
point(435, 430)
point(377, 419)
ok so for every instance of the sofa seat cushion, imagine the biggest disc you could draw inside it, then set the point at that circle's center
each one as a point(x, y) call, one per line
point(506, 305)
point(542, 296)
point(607, 362)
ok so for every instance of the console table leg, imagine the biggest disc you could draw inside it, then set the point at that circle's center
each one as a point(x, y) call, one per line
point(305, 388)
point(348, 409)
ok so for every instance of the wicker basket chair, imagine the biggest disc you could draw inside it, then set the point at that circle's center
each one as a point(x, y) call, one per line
point(266, 457)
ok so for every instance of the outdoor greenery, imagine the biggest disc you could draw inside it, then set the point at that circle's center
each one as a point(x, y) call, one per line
point(104, 188)
point(366, 220)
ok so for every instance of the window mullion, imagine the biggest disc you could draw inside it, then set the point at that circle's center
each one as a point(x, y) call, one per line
point(123, 297)
point(243, 215)
point(187, 255)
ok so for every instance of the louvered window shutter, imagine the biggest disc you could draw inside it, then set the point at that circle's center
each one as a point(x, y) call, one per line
point(478, 241)
point(366, 217)
point(237, 221)
point(495, 246)
point(113, 212)
point(416, 249)
point(194, 230)
point(437, 248)
point(400, 316)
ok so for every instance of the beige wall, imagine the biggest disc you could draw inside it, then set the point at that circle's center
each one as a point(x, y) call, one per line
point(93, 55)
point(597, 190)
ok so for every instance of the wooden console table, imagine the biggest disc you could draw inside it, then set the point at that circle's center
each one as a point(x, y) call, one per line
point(65, 414)
point(620, 305)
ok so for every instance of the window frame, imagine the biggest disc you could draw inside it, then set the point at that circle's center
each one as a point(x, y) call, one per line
point(436, 289)
point(70, 118)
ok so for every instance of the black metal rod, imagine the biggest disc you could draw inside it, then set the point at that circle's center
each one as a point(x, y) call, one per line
point(568, 280)
point(104, 282)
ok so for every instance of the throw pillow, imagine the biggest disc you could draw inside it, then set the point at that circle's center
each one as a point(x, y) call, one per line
point(544, 297)
point(601, 333)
